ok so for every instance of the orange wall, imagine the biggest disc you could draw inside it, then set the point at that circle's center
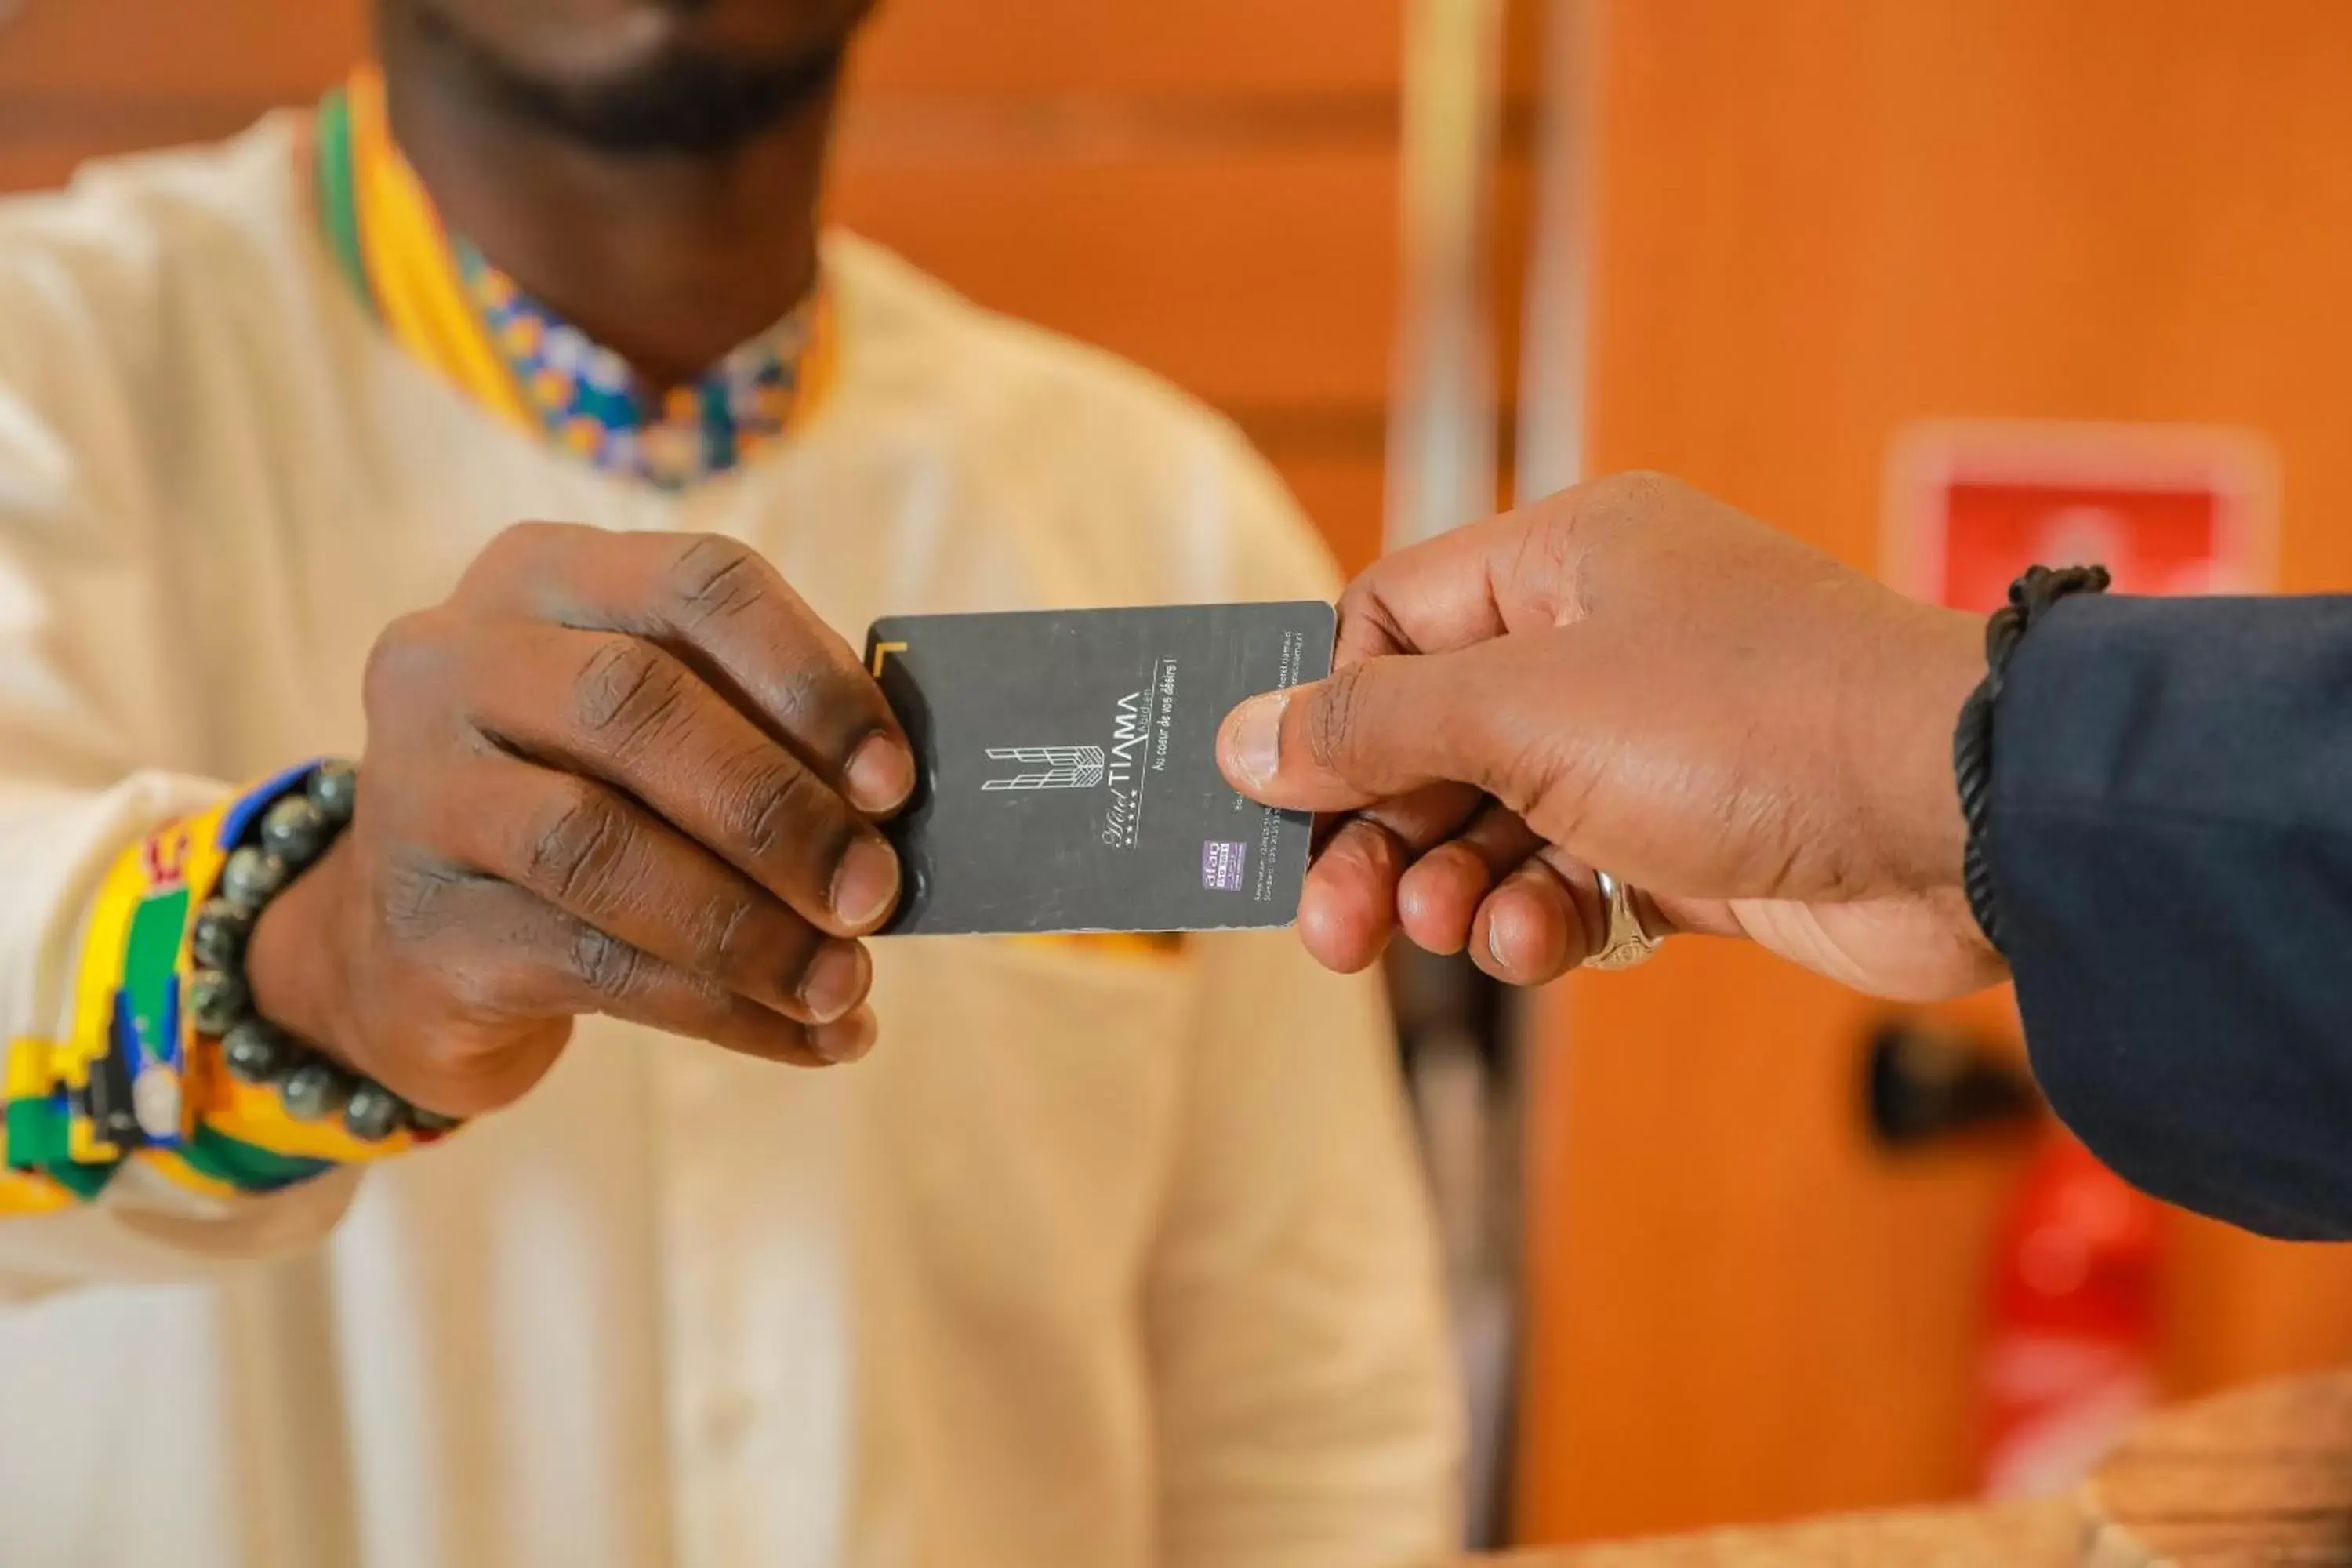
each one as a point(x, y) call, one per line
point(1820, 219)
point(79, 78)
point(1209, 189)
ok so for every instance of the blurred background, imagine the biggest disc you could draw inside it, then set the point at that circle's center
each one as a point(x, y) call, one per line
point(1945, 285)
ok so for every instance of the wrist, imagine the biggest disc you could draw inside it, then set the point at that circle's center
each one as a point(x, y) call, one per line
point(1917, 809)
point(295, 961)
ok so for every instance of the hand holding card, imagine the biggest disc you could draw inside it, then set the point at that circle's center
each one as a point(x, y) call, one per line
point(1068, 772)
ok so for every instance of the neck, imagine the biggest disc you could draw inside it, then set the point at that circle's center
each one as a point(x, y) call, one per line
point(668, 260)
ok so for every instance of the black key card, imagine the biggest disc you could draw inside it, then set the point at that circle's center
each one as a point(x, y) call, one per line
point(1068, 771)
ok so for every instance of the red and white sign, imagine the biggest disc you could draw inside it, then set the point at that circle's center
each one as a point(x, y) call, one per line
point(2167, 509)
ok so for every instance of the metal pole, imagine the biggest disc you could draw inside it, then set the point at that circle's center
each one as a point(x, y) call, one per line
point(1554, 373)
point(1442, 472)
point(1442, 418)
point(1556, 344)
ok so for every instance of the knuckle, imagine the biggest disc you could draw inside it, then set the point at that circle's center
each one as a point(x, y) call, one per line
point(1554, 548)
point(1636, 492)
point(748, 949)
point(1572, 550)
point(609, 967)
point(1374, 845)
point(537, 570)
point(412, 655)
point(627, 692)
point(515, 546)
point(478, 988)
point(780, 808)
point(1331, 719)
point(1544, 567)
point(720, 939)
point(1612, 504)
point(712, 577)
point(414, 895)
point(829, 709)
point(799, 692)
point(1363, 603)
point(577, 845)
point(1367, 620)
point(1358, 598)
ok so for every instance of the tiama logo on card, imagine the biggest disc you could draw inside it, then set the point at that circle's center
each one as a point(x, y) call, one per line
point(1117, 767)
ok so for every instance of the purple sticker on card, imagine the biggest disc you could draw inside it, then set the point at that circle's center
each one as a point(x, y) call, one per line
point(1221, 866)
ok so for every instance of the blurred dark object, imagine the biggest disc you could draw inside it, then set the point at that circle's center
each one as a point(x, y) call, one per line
point(1458, 1039)
point(1433, 994)
point(1926, 1083)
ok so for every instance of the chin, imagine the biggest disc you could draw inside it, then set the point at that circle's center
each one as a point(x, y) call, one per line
point(638, 78)
point(583, 44)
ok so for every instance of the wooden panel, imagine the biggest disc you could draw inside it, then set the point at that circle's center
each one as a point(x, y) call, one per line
point(1345, 496)
point(1514, 232)
point(1210, 46)
point(240, 51)
point(1821, 219)
point(1217, 47)
point(1252, 277)
point(1739, 1309)
point(1523, 43)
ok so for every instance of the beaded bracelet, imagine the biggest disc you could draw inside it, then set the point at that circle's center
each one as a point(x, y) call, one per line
point(2028, 597)
point(287, 839)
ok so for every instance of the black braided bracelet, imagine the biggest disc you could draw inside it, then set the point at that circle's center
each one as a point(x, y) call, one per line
point(2028, 597)
point(288, 839)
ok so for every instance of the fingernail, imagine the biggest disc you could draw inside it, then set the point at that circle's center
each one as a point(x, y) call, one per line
point(1256, 744)
point(1495, 943)
point(845, 1039)
point(835, 981)
point(880, 775)
point(866, 882)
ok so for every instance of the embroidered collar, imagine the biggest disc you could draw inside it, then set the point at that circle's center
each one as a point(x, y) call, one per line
point(452, 308)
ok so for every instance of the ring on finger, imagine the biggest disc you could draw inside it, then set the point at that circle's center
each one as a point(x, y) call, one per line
point(1626, 939)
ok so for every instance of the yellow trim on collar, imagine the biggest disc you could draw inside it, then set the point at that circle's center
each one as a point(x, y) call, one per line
point(409, 268)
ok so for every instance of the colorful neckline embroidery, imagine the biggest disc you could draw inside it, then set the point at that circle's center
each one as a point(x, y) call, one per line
point(450, 308)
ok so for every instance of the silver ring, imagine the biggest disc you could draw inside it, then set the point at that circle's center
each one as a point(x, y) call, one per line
point(1626, 942)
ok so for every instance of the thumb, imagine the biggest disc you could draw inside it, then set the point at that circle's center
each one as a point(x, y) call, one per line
point(1379, 728)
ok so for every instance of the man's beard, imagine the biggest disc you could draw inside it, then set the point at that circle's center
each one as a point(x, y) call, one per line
point(683, 101)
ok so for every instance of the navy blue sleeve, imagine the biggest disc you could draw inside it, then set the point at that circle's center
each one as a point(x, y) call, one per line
point(2170, 839)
